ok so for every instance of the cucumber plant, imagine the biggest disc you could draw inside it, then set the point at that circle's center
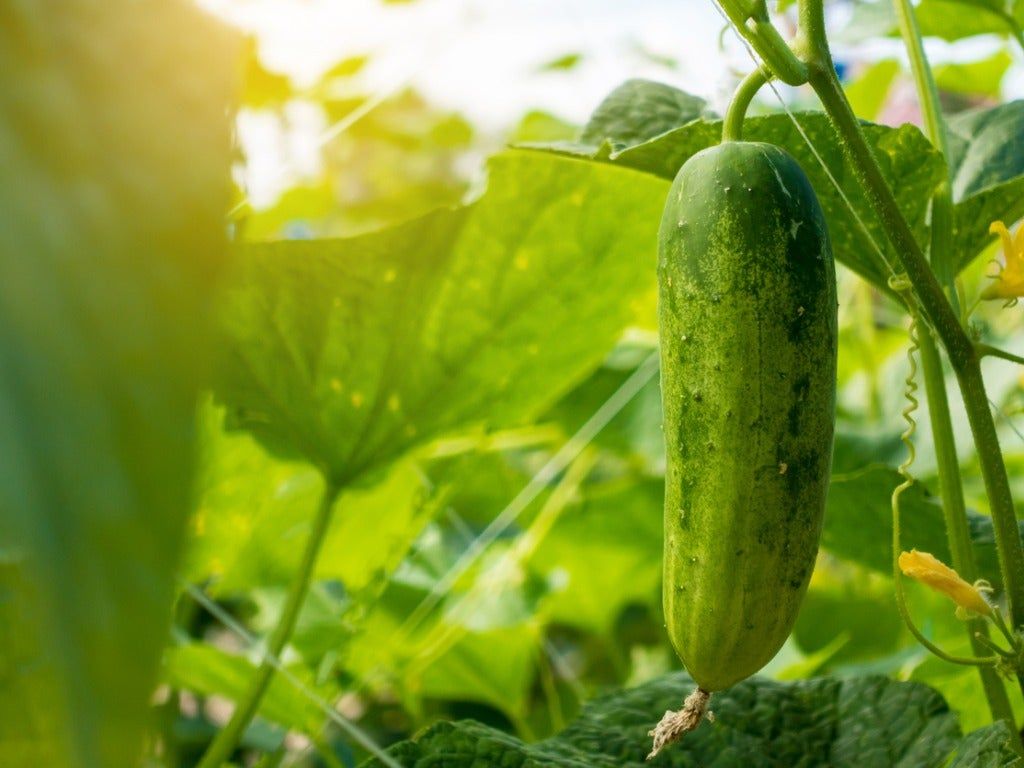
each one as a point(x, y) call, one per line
point(378, 397)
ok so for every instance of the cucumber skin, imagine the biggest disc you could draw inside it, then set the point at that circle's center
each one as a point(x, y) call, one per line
point(747, 317)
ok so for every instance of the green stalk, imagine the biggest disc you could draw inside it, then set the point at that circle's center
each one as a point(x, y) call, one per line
point(940, 315)
point(226, 741)
point(942, 257)
point(732, 126)
point(943, 263)
point(987, 350)
point(955, 513)
point(750, 17)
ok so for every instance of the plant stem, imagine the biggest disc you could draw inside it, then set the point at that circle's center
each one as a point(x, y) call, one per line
point(955, 513)
point(732, 126)
point(937, 310)
point(942, 257)
point(987, 350)
point(226, 741)
point(750, 18)
point(948, 464)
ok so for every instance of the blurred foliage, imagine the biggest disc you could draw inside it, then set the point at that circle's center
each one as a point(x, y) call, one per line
point(466, 347)
point(113, 182)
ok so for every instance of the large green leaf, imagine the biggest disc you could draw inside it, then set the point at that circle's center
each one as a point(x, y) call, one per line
point(114, 179)
point(348, 352)
point(987, 163)
point(910, 164)
point(867, 722)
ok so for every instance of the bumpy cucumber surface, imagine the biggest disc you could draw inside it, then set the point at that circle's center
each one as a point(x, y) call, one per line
point(747, 313)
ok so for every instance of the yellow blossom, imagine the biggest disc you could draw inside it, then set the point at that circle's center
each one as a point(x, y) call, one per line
point(1009, 283)
point(931, 571)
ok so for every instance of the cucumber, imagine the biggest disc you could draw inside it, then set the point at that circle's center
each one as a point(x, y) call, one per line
point(747, 315)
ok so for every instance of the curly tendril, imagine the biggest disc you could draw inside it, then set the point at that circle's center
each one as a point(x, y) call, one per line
point(910, 393)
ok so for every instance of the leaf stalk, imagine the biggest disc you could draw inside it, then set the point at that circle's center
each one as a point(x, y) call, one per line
point(226, 741)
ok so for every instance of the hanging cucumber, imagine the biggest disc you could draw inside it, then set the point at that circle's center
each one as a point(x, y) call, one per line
point(747, 313)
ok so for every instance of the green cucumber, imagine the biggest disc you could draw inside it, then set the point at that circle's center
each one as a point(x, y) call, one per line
point(747, 314)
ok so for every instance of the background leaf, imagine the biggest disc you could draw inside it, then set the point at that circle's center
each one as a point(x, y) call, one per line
point(987, 162)
point(207, 670)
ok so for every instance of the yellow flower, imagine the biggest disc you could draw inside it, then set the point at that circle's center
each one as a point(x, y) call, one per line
point(1009, 283)
point(931, 571)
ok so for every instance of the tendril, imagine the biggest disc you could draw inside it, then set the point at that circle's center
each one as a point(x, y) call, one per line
point(912, 404)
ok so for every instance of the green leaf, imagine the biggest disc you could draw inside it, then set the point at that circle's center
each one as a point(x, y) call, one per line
point(859, 612)
point(975, 78)
point(639, 110)
point(349, 352)
point(635, 433)
point(541, 126)
point(987, 164)
point(870, 91)
point(449, 654)
point(950, 20)
point(987, 747)
point(115, 146)
point(957, 19)
point(562, 63)
point(206, 670)
point(254, 511)
point(910, 164)
point(604, 554)
point(867, 722)
point(858, 522)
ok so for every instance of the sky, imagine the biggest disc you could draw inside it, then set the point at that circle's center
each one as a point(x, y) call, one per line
point(482, 56)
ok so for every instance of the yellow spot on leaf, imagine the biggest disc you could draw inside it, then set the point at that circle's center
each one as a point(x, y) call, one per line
point(336, 385)
point(357, 399)
point(394, 403)
point(931, 571)
point(521, 262)
point(390, 276)
point(1009, 283)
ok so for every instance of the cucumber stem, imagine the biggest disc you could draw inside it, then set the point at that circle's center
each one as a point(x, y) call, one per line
point(942, 255)
point(674, 725)
point(963, 357)
point(752, 21)
point(943, 258)
point(732, 126)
